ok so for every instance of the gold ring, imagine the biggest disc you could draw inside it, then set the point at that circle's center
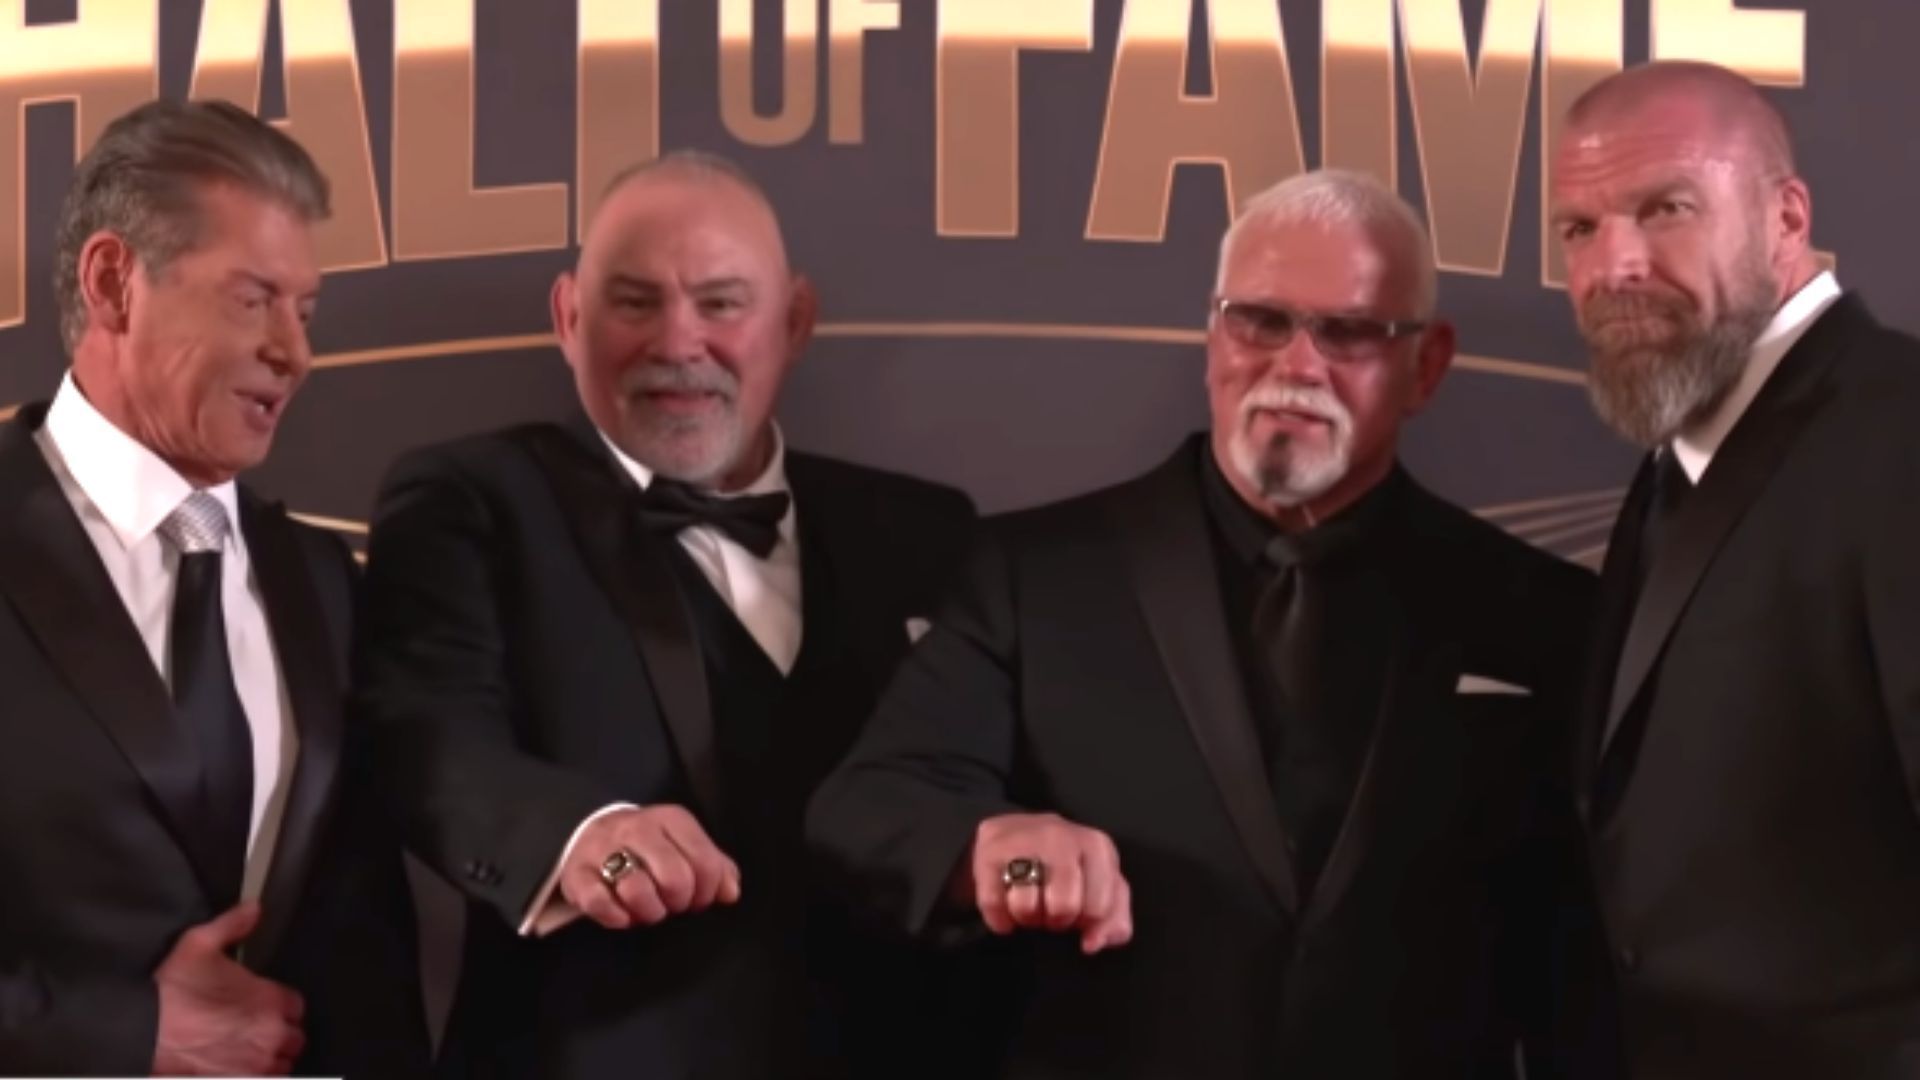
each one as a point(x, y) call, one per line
point(1024, 871)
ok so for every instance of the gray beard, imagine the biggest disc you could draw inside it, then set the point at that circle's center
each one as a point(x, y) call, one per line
point(1650, 394)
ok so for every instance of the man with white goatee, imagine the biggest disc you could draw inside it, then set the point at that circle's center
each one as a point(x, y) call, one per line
point(1254, 756)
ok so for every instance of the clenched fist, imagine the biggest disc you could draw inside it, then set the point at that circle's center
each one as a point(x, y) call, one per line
point(1080, 889)
point(679, 869)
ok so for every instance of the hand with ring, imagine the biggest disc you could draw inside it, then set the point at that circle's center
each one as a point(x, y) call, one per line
point(1043, 872)
point(643, 866)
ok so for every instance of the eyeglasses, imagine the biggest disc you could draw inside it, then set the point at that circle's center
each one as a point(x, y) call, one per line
point(1338, 337)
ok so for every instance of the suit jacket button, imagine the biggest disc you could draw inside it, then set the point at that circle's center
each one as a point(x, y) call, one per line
point(1629, 961)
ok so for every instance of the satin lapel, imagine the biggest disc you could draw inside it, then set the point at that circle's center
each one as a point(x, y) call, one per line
point(1740, 471)
point(307, 654)
point(1162, 527)
point(1615, 611)
point(633, 570)
point(50, 572)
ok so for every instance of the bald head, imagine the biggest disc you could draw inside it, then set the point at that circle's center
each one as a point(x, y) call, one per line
point(1696, 94)
point(683, 175)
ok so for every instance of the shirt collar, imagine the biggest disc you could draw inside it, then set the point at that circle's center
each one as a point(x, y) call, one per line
point(129, 484)
point(1696, 445)
point(771, 479)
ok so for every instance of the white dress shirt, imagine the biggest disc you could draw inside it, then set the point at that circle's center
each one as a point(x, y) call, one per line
point(121, 491)
point(1696, 445)
point(764, 594)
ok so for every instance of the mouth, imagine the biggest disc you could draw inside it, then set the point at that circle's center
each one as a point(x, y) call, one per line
point(683, 402)
point(1289, 419)
point(261, 408)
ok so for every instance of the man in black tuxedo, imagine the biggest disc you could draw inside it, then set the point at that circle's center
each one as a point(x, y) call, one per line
point(193, 884)
point(1752, 751)
point(1266, 737)
point(610, 660)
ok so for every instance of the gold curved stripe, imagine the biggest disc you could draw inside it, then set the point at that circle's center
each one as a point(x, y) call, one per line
point(1528, 526)
point(1504, 510)
point(358, 528)
point(1590, 557)
point(1135, 335)
point(1568, 533)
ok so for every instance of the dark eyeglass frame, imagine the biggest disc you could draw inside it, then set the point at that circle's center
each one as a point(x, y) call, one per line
point(1369, 340)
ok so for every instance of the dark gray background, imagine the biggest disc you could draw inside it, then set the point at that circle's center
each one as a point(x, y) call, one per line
point(1013, 421)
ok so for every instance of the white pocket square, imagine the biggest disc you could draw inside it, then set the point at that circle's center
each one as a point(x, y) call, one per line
point(917, 629)
point(1480, 684)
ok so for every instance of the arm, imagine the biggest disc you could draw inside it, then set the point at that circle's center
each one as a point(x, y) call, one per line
point(433, 694)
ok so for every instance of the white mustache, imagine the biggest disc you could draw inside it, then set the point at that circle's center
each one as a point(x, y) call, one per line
point(707, 378)
point(1317, 400)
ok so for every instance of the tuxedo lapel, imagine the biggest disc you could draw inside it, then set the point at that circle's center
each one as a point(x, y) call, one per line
point(1739, 472)
point(1161, 525)
point(1407, 762)
point(634, 572)
point(1617, 588)
point(306, 655)
point(50, 572)
point(844, 616)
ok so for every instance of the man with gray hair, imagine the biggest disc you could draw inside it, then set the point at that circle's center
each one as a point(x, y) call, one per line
point(194, 884)
point(1255, 754)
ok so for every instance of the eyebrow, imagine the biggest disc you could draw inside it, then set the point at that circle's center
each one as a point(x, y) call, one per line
point(628, 281)
point(244, 276)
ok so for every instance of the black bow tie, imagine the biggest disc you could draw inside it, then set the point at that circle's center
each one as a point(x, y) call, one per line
point(752, 521)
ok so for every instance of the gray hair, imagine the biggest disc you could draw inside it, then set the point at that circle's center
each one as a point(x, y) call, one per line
point(1344, 197)
point(143, 179)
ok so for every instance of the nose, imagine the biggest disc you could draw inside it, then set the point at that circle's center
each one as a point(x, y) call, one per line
point(1620, 254)
point(287, 348)
point(683, 331)
point(1300, 361)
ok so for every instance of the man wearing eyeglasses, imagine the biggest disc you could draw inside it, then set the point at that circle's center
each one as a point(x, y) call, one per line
point(1253, 757)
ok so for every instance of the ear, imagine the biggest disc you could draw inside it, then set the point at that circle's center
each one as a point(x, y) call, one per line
point(802, 309)
point(1432, 359)
point(1793, 218)
point(106, 270)
point(564, 303)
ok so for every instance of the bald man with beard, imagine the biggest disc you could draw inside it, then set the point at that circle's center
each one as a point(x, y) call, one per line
point(607, 661)
point(1751, 755)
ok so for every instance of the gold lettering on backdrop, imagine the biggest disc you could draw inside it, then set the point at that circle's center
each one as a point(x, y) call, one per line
point(1358, 128)
point(325, 111)
point(1585, 43)
point(1468, 126)
point(1766, 46)
point(1247, 125)
point(848, 21)
point(105, 61)
point(798, 65)
point(977, 111)
point(619, 95)
point(437, 211)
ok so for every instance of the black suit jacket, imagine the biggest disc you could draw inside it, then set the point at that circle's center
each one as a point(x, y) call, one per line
point(1752, 756)
point(529, 657)
point(1086, 668)
point(96, 782)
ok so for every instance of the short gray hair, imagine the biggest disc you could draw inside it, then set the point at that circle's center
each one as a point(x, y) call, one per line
point(1344, 197)
point(143, 179)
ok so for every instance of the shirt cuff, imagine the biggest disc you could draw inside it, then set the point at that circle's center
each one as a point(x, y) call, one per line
point(550, 910)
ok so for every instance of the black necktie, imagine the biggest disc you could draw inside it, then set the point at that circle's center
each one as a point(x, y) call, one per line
point(1288, 623)
point(752, 521)
point(1671, 486)
point(203, 692)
